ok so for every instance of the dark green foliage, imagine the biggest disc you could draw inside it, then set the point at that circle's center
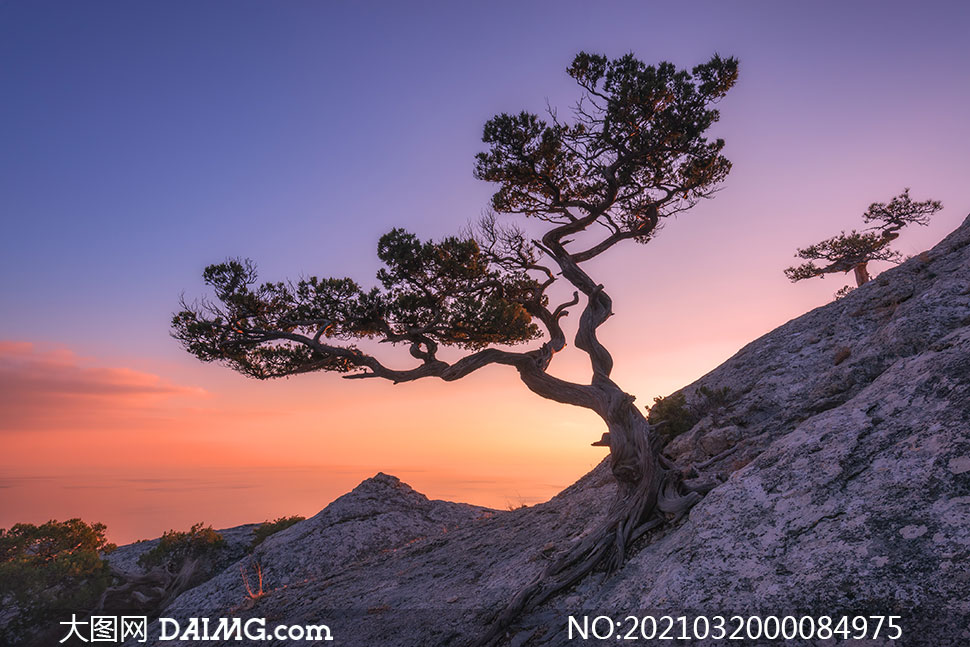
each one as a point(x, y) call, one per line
point(268, 528)
point(635, 152)
point(901, 211)
point(671, 416)
point(449, 291)
point(638, 126)
point(232, 332)
point(175, 548)
point(48, 571)
point(843, 292)
point(845, 252)
point(433, 293)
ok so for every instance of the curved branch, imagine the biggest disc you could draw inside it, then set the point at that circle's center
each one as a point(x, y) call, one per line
point(648, 223)
point(598, 309)
point(530, 365)
point(599, 305)
point(561, 311)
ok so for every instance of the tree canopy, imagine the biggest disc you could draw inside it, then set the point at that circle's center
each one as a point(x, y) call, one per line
point(634, 153)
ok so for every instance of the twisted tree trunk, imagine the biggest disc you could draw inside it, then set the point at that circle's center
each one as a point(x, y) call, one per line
point(861, 274)
point(649, 490)
point(649, 493)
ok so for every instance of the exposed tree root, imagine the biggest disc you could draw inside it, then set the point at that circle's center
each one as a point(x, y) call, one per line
point(148, 592)
point(637, 509)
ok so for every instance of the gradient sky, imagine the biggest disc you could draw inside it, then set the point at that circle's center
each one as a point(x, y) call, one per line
point(141, 141)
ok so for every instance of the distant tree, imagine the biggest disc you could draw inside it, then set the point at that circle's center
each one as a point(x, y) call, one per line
point(634, 153)
point(853, 251)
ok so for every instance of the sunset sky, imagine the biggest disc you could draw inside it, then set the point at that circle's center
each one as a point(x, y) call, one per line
point(140, 142)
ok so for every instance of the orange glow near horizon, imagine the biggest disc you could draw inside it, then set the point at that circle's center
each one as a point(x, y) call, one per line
point(240, 451)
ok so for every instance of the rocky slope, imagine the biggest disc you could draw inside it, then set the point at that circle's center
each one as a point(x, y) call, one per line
point(375, 518)
point(125, 558)
point(845, 434)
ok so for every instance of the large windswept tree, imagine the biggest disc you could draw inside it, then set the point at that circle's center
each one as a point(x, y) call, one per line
point(633, 153)
point(854, 251)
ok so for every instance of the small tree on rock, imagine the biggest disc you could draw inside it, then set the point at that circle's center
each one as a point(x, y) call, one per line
point(634, 153)
point(852, 252)
point(46, 572)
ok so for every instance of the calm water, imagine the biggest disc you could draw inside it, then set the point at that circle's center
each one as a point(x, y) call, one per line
point(144, 505)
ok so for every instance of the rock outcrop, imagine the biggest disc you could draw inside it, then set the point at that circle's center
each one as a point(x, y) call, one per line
point(125, 558)
point(844, 437)
point(373, 521)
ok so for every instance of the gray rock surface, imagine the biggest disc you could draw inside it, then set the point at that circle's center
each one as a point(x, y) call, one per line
point(846, 439)
point(373, 521)
point(125, 558)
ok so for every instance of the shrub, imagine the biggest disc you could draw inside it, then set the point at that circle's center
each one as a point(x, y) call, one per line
point(268, 528)
point(175, 548)
point(672, 416)
point(843, 292)
point(48, 570)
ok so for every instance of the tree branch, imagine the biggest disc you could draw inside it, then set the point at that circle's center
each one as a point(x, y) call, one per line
point(530, 365)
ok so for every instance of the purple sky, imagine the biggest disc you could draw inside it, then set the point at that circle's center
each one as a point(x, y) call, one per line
point(144, 140)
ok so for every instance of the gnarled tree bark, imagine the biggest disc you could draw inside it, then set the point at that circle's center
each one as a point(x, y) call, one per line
point(649, 494)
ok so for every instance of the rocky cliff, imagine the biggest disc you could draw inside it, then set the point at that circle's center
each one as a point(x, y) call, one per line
point(844, 439)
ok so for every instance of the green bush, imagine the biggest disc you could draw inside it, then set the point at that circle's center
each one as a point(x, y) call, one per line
point(175, 548)
point(268, 528)
point(671, 416)
point(49, 570)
